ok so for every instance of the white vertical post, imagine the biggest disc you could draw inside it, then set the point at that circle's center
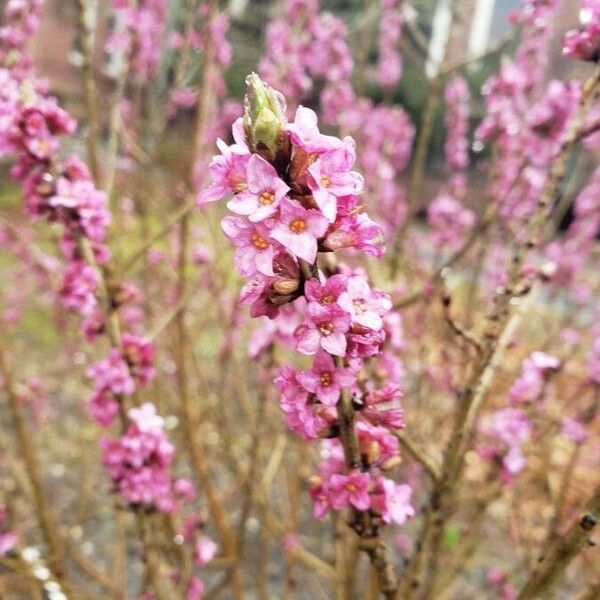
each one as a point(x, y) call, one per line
point(481, 26)
point(440, 33)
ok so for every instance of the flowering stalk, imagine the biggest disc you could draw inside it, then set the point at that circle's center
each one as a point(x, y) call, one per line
point(205, 110)
point(139, 461)
point(424, 564)
point(298, 201)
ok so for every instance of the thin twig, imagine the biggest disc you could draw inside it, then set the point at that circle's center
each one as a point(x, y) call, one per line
point(418, 454)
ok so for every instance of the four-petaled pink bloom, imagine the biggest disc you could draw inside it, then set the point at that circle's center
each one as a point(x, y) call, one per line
point(392, 501)
point(350, 490)
point(327, 292)
point(298, 230)
point(112, 374)
point(304, 132)
point(228, 173)
point(332, 178)
point(325, 327)
point(365, 306)
point(254, 248)
point(325, 380)
point(263, 193)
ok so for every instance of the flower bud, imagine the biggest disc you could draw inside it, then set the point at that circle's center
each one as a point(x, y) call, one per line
point(264, 116)
point(286, 286)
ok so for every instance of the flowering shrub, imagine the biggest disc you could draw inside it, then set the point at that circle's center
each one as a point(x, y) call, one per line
point(379, 377)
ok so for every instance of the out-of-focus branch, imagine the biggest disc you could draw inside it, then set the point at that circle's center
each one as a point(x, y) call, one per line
point(48, 526)
point(562, 551)
point(90, 92)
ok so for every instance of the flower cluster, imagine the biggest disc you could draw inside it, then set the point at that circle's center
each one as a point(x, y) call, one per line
point(584, 43)
point(570, 253)
point(525, 117)
point(529, 386)
point(384, 135)
point(389, 61)
point(456, 146)
point(303, 45)
point(63, 192)
point(143, 26)
point(295, 197)
point(334, 488)
point(447, 216)
point(21, 19)
point(208, 36)
point(116, 376)
point(508, 429)
point(139, 461)
point(449, 220)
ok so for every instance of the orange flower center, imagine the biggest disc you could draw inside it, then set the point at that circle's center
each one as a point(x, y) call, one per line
point(351, 487)
point(328, 299)
point(298, 225)
point(325, 181)
point(325, 379)
point(326, 328)
point(258, 241)
point(266, 198)
point(240, 187)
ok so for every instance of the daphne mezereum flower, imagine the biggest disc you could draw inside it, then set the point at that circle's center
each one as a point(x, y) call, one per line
point(297, 198)
point(584, 43)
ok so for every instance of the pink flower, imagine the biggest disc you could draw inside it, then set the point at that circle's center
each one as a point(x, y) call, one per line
point(8, 541)
point(254, 248)
point(304, 132)
point(325, 328)
point(79, 287)
point(574, 429)
point(510, 425)
point(584, 43)
point(325, 293)
point(139, 354)
point(530, 384)
point(184, 489)
point(321, 500)
point(325, 380)
point(449, 220)
point(382, 407)
point(112, 374)
point(299, 414)
point(392, 501)
point(146, 418)
point(204, 551)
point(332, 178)
point(195, 590)
point(228, 173)
point(138, 463)
point(350, 490)
point(103, 407)
point(263, 193)
point(358, 232)
point(365, 306)
point(298, 230)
